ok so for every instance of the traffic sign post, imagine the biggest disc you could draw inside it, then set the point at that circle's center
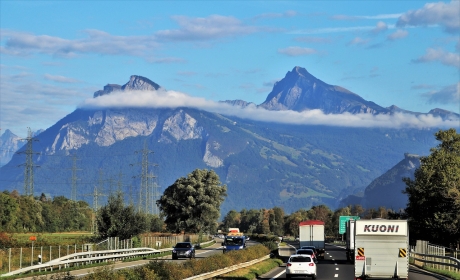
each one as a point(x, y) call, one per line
point(342, 222)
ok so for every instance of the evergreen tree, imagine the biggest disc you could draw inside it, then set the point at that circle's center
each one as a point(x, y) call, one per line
point(434, 194)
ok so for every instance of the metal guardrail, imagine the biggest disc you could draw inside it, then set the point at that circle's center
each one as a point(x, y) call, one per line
point(441, 261)
point(90, 257)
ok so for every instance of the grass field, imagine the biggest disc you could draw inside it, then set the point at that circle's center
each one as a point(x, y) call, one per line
point(53, 239)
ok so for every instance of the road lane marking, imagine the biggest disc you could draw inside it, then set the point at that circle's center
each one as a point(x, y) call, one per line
point(278, 275)
point(336, 275)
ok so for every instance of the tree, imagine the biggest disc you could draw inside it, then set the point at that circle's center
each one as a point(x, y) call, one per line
point(9, 209)
point(231, 220)
point(117, 220)
point(434, 194)
point(192, 204)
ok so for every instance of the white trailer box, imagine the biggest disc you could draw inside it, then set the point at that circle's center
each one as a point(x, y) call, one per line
point(311, 233)
point(381, 249)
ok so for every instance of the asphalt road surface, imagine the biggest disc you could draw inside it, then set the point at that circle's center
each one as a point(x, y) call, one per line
point(335, 266)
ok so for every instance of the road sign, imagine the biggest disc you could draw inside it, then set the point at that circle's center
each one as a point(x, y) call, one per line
point(342, 222)
point(33, 238)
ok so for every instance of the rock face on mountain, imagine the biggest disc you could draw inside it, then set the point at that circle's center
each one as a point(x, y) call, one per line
point(135, 83)
point(9, 144)
point(299, 91)
point(263, 164)
point(387, 189)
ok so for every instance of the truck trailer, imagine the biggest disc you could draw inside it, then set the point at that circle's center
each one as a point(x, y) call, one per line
point(311, 233)
point(381, 249)
point(350, 239)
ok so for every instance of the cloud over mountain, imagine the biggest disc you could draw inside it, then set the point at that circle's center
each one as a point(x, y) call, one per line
point(173, 99)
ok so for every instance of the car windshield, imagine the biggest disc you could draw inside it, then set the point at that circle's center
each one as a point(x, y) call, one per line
point(234, 241)
point(183, 245)
point(300, 259)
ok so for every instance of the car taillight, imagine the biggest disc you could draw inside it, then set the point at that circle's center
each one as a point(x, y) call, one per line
point(289, 264)
point(311, 264)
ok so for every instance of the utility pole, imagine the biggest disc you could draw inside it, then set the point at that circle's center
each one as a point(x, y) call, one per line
point(29, 165)
point(73, 192)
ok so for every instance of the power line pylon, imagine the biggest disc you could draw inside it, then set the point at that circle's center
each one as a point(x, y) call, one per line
point(29, 164)
point(155, 195)
point(96, 194)
point(73, 192)
point(146, 191)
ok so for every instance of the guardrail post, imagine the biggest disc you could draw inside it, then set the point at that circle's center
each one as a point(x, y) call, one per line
point(9, 260)
point(20, 258)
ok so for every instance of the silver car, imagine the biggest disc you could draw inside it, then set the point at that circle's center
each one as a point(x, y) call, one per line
point(300, 266)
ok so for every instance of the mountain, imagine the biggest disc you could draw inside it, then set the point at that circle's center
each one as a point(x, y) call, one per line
point(299, 91)
point(9, 144)
point(263, 164)
point(387, 189)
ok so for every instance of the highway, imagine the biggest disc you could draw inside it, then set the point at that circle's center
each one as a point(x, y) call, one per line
point(335, 266)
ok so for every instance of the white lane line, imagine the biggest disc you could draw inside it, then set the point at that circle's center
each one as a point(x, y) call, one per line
point(278, 275)
point(336, 275)
point(336, 268)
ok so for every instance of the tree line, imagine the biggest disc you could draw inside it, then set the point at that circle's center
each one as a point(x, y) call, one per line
point(192, 204)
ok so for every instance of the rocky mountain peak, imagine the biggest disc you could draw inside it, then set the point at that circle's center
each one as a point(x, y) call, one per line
point(140, 83)
point(135, 83)
point(8, 134)
point(299, 90)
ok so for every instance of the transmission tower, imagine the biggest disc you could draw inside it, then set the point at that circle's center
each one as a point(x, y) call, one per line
point(155, 195)
point(120, 183)
point(29, 164)
point(96, 194)
point(73, 192)
point(146, 190)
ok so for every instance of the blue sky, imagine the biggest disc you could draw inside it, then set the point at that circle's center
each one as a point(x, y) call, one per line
point(56, 54)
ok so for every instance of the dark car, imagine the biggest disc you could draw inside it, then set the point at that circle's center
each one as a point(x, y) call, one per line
point(183, 250)
point(310, 247)
point(308, 252)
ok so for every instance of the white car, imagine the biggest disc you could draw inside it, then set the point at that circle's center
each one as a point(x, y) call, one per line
point(300, 266)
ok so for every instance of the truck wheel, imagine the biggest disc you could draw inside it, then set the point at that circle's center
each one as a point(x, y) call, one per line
point(288, 276)
point(313, 277)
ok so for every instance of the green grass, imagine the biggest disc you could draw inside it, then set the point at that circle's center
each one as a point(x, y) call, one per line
point(450, 274)
point(252, 272)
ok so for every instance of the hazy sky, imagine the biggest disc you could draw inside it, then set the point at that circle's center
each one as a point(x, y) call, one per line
point(56, 54)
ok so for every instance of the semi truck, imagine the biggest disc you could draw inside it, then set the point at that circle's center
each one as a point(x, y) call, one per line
point(350, 240)
point(311, 233)
point(381, 249)
point(234, 240)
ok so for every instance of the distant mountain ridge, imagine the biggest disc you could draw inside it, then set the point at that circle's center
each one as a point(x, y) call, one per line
point(299, 91)
point(10, 143)
point(263, 164)
point(387, 189)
